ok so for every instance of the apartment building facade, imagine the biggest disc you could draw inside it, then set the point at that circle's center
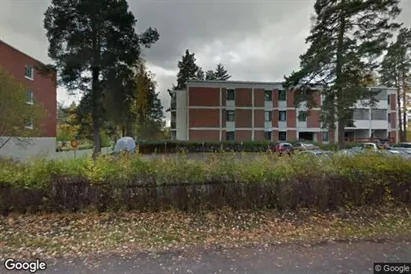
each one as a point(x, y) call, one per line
point(40, 89)
point(244, 111)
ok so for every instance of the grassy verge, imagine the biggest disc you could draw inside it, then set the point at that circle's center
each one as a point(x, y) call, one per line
point(88, 234)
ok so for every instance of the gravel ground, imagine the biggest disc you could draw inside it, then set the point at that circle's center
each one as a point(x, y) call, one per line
point(328, 258)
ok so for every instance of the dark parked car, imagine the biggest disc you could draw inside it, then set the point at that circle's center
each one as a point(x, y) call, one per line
point(283, 148)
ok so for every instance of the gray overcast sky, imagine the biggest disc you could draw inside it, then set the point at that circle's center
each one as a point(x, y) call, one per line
point(254, 39)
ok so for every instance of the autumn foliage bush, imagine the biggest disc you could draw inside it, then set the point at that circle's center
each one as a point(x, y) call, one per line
point(223, 179)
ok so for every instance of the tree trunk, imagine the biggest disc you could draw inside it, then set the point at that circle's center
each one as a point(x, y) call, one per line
point(404, 110)
point(339, 80)
point(400, 128)
point(95, 113)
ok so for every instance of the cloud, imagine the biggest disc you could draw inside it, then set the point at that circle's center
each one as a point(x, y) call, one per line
point(255, 40)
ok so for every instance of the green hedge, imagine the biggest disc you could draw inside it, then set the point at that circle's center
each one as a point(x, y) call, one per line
point(190, 146)
point(223, 179)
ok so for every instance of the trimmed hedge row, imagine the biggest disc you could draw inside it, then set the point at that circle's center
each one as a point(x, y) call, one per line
point(192, 147)
point(236, 180)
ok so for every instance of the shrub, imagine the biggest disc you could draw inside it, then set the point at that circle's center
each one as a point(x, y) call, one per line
point(237, 180)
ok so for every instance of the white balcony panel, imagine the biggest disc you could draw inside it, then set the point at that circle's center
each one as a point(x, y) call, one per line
point(301, 125)
point(282, 124)
point(268, 104)
point(229, 125)
point(230, 103)
point(282, 104)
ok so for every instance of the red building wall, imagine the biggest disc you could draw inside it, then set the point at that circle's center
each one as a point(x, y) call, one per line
point(44, 88)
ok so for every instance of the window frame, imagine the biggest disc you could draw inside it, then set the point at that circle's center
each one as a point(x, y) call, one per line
point(325, 133)
point(279, 116)
point(228, 133)
point(302, 114)
point(230, 91)
point(29, 124)
point(227, 115)
point(279, 136)
point(282, 98)
point(268, 95)
point(30, 97)
point(270, 116)
point(31, 69)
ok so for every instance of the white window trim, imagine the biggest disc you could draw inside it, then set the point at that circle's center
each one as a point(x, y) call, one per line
point(279, 116)
point(31, 124)
point(31, 102)
point(32, 72)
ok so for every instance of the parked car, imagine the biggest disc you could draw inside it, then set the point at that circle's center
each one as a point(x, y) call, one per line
point(283, 148)
point(316, 153)
point(305, 146)
point(367, 147)
point(405, 147)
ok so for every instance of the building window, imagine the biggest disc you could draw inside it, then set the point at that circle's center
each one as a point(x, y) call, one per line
point(282, 95)
point(268, 135)
point(268, 95)
point(28, 72)
point(378, 114)
point(268, 116)
point(325, 136)
point(283, 116)
point(29, 123)
point(230, 94)
point(230, 115)
point(30, 97)
point(230, 135)
point(389, 117)
point(282, 135)
point(389, 99)
point(302, 116)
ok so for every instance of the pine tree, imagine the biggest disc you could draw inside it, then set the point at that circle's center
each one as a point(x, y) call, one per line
point(210, 75)
point(187, 70)
point(87, 38)
point(345, 39)
point(396, 72)
point(221, 73)
point(200, 74)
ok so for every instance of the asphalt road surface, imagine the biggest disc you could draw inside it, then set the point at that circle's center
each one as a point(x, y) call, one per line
point(328, 258)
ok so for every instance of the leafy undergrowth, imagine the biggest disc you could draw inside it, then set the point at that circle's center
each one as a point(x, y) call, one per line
point(122, 233)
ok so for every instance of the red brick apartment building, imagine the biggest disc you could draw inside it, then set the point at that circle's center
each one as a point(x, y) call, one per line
point(40, 89)
point(243, 111)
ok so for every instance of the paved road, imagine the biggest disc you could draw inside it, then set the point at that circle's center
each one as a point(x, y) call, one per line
point(330, 258)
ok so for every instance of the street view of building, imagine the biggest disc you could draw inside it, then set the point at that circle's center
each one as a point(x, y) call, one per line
point(244, 111)
point(40, 89)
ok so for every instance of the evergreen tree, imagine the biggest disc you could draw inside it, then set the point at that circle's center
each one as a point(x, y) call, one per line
point(148, 106)
point(187, 70)
point(87, 38)
point(210, 75)
point(221, 73)
point(396, 72)
point(200, 74)
point(345, 39)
